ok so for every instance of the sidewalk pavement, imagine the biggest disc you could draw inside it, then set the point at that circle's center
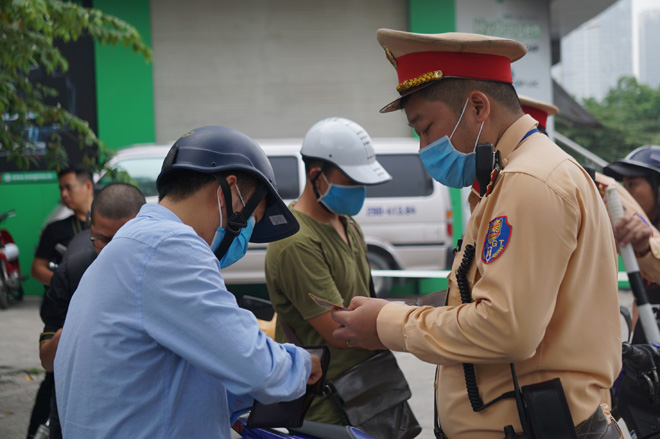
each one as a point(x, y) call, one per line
point(21, 372)
point(20, 369)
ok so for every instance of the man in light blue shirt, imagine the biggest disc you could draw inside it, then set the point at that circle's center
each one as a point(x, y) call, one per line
point(154, 346)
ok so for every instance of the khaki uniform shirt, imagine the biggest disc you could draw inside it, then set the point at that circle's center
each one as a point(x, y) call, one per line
point(544, 291)
point(317, 260)
point(649, 264)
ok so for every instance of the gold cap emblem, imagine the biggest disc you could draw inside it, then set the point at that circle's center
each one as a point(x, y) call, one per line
point(391, 57)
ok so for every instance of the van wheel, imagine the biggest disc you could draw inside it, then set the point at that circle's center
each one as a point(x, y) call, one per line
point(382, 285)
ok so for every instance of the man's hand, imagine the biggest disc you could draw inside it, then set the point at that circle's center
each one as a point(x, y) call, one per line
point(357, 325)
point(316, 370)
point(632, 230)
point(40, 271)
point(47, 351)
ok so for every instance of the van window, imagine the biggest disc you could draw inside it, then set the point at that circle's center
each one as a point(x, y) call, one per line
point(409, 177)
point(143, 170)
point(286, 175)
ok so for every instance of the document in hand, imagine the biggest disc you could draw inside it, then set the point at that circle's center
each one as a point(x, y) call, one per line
point(290, 414)
point(324, 303)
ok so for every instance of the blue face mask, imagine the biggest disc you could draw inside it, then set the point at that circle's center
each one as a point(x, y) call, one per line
point(343, 200)
point(447, 165)
point(239, 245)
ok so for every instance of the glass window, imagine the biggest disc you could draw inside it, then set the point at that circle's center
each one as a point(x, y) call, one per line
point(286, 175)
point(409, 177)
point(144, 171)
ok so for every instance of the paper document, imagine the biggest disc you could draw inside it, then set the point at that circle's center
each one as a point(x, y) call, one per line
point(324, 303)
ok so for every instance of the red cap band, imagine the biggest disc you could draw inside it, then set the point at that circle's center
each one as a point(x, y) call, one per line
point(540, 115)
point(455, 64)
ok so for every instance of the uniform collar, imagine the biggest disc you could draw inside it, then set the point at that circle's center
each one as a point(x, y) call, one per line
point(511, 139)
point(509, 142)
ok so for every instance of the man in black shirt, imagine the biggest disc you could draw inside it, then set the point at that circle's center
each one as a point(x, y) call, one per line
point(114, 205)
point(77, 191)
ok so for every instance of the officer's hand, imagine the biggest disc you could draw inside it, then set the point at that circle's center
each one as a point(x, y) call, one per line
point(357, 325)
point(632, 230)
point(316, 370)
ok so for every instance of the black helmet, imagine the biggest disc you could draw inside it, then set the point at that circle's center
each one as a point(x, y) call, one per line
point(642, 162)
point(219, 149)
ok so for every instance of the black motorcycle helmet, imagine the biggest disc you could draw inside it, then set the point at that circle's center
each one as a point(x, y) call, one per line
point(217, 150)
point(642, 162)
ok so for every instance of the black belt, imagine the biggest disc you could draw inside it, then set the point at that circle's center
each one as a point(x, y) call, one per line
point(594, 427)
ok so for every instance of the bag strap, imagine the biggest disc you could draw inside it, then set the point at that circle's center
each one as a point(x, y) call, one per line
point(330, 392)
point(290, 335)
point(363, 244)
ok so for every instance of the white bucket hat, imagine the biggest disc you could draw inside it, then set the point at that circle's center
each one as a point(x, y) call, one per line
point(347, 146)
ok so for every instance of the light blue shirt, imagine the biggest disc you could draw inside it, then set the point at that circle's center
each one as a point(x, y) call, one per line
point(154, 346)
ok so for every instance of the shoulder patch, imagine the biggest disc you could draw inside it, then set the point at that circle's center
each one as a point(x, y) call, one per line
point(497, 238)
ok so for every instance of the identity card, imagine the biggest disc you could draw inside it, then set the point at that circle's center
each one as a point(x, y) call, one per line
point(324, 303)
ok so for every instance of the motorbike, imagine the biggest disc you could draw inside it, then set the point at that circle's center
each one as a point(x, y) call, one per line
point(309, 430)
point(10, 271)
point(264, 312)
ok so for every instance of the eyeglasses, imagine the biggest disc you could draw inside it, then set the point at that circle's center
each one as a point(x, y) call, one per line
point(99, 242)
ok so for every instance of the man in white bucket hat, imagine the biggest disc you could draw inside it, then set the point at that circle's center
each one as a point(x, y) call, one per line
point(327, 257)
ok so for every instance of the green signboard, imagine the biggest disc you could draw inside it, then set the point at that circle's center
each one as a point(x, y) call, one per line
point(28, 177)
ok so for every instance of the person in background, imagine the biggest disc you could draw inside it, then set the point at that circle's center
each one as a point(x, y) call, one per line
point(77, 192)
point(153, 344)
point(528, 302)
point(112, 207)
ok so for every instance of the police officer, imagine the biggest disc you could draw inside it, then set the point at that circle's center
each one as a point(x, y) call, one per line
point(640, 173)
point(635, 227)
point(533, 287)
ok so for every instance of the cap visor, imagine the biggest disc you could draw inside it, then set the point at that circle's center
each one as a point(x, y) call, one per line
point(620, 170)
point(278, 223)
point(392, 106)
point(396, 104)
point(367, 174)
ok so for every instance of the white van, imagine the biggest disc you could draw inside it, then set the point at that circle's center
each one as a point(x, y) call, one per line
point(407, 222)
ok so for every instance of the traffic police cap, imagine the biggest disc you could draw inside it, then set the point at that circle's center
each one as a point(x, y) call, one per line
point(422, 59)
point(539, 110)
point(219, 149)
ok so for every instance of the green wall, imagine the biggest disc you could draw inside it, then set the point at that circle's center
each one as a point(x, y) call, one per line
point(124, 87)
point(33, 203)
point(432, 17)
point(124, 81)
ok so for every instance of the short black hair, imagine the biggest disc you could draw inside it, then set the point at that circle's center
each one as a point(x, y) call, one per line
point(326, 166)
point(179, 184)
point(117, 201)
point(82, 174)
point(454, 91)
point(312, 162)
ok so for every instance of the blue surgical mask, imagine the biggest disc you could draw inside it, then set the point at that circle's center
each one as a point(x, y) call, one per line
point(239, 245)
point(446, 164)
point(343, 200)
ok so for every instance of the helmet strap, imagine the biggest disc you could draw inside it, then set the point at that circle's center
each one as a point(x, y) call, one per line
point(236, 221)
point(316, 190)
point(654, 184)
